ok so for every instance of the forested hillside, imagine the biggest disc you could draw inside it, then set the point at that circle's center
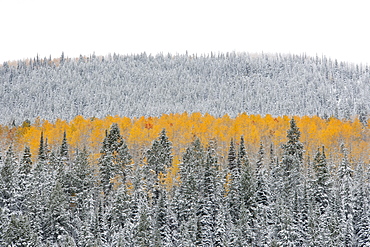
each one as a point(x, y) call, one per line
point(279, 195)
point(146, 85)
point(184, 150)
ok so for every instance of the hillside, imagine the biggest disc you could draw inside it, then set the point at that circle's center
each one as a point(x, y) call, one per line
point(145, 85)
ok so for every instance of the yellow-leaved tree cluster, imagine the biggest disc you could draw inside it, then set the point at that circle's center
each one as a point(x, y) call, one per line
point(183, 128)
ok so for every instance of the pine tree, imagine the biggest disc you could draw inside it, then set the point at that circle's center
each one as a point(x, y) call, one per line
point(159, 159)
point(247, 178)
point(247, 190)
point(121, 208)
point(292, 188)
point(322, 180)
point(23, 182)
point(361, 216)
point(142, 233)
point(19, 232)
point(7, 180)
point(161, 227)
point(345, 202)
point(262, 190)
point(114, 158)
point(191, 170)
point(292, 160)
point(64, 148)
point(234, 195)
point(37, 198)
point(26, 162)
point(262, 198)
point(208, 200)
point(159, 156)
point(57, 218)
point(42, 150)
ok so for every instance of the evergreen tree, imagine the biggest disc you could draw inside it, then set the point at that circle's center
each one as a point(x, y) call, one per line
point(247, 190)
point(247, 178)
point(292, 188)
point(19, 232)
point(322, 181)
point(159, 156)
point(361, 219)
point(345, 202)
point(208, 200)
point(64, 148)
point(42, 149)
point(8, 180)
point(234, 195)
point(143, 228)
point(159, 159)
point(26, 162)
point(191, 170)
point(161, 226)
point(57, 225)
point(23, 182)
point(114, 159)
point(262, 198)
point(292, 160)
point(262, 191)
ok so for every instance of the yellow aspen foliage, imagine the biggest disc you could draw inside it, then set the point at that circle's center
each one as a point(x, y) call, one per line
point(183, 128)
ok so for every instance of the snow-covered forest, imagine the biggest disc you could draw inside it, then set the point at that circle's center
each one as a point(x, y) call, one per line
point(236, 180)
point(286, 200)
point(146, 85)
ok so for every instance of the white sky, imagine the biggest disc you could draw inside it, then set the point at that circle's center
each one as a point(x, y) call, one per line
point(336, 29)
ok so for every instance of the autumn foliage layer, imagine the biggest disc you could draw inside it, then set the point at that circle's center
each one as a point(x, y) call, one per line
point(184, 128)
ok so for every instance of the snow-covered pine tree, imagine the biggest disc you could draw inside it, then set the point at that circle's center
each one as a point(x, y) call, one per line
point(114, 159)
point(64, 148)
point(42, 152)
point(8, 181)
point(361, 216)
point(262, 198)
point(345, 201)
point(247, 190)
point(159, 159)
point(23, 181)
point(234, 196)
point(19, 232)
point(292, 190)
point(208, 200)
point(57, 219)
point(191, 170)
point(159, 156)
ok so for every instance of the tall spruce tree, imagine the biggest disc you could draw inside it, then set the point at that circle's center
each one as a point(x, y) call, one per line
point(8, 180)
point(345, 201)
point(234, 195)
point(114, 159)
point(64, 148)
point(262, 198)
point(191, 170)
point(208, 200)
point(321, 192)
point(159, 160)
point(361, 215)
point(292, 189)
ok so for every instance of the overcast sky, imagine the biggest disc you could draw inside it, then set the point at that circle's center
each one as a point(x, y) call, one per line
point(336, 29)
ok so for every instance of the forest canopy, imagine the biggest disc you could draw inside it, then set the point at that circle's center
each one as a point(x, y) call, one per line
point(151, 85)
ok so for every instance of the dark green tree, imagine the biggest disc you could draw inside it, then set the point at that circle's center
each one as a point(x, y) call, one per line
point(64, 148)
point(234, 196)
point(114, 159)
point(19, 232)
point(159, 156)
point(42, 150)
point(8, 180)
